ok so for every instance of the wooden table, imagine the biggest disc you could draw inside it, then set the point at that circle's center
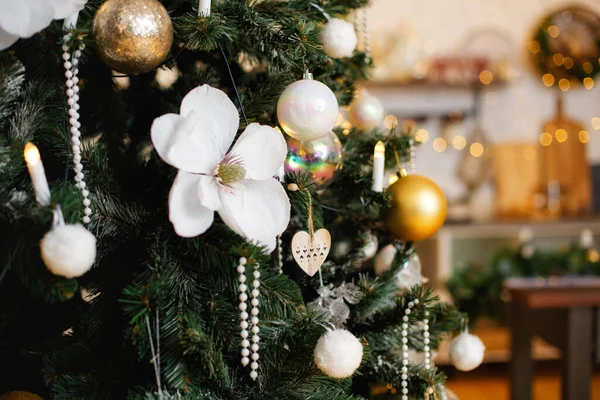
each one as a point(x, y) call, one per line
point(561, 311)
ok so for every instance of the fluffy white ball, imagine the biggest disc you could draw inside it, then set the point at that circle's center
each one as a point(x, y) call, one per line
point(338, 38)
point(466, 352)
point(338, 353)
point(383, 259)
point(68, 250)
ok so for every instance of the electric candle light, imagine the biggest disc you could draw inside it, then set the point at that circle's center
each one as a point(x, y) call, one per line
point(204, 8)
point(37, 174)
point(378, 166)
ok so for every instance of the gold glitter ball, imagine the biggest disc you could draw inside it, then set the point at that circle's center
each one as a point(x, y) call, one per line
point(133, 36)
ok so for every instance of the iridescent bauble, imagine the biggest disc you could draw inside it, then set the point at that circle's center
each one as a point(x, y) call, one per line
point(366, 111)
point(132, 36)
point(320, 158)
point(20, 396)
point(418, 208)
point(307, 110)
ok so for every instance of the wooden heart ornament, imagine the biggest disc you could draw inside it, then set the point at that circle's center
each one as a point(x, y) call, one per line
point(311, 254)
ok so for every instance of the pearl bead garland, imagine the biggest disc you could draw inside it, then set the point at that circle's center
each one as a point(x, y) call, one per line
point(367, 36)
point(404, 333)
point(280, 254)
point(254, 302)
point(412, 163)
point(71, 71)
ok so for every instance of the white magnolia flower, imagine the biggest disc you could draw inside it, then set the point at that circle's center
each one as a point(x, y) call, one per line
point(23, 18)
point(238, 184)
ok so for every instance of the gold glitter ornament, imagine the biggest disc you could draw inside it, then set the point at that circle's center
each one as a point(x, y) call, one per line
point(133, 36)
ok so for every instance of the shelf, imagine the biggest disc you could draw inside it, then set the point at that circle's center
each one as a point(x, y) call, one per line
point(431, 85)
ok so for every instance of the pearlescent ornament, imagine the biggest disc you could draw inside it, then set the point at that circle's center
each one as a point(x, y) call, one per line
point(307, 109)
point(320, 158)
point(133, 36)
point(366, 111)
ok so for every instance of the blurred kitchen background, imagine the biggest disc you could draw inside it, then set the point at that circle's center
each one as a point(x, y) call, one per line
point(504, 100)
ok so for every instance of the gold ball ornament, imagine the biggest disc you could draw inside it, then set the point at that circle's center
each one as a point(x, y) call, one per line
point(418, 208)
point(20, 396)
point(133, 36)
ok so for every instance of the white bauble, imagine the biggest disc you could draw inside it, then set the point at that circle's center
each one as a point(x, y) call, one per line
point(384, 259)
point(366, 111)
point(341, 249)
point(466, 352)
point(338, 38)
point(68, 250)
point(307, 110)
point(338, 353)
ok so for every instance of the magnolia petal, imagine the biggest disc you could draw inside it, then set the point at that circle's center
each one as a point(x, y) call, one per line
point(259, 212)
point(208, 191)
point(188, 216)
point(173, 137)
point(65, 8)
point(6, 39)
point(218, 115)
point(262, 149)
point(15, 16)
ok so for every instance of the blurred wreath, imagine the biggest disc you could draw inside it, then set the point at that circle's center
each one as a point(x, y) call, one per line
point(566, 45)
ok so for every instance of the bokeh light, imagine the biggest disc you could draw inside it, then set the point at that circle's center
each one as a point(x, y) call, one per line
point(588, 83)
point(439, 144)
point(390, 121)
point(553, 31)
point(596, 123)
point(476, 149)
point(564, 84)
point(561, 135)
point(486, 77)
point(548, 79)
point(534, 46)
point(584, 136)
point(546, 139)
point(459, 142)
point(422, 136)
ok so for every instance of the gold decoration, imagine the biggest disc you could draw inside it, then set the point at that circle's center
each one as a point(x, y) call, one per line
point(20, 396)
point(418, 208)
point(133, 36)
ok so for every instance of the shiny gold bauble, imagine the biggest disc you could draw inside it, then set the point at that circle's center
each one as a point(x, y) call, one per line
point(20, 396)
point(418, 208)
point(133, 36)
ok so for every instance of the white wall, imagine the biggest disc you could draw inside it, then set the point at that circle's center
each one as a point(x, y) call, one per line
point(519, 109)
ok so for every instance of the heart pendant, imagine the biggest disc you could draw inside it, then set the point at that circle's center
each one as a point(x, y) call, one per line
point(311, 254)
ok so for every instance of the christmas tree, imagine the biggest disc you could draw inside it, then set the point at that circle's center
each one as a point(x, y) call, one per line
point(148, 251)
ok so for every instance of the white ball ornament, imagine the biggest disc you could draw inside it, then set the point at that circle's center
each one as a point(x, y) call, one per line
point(384, 259)
point(366, 111)
point(68, 250)
point(466, 352)
point(338, 353)
point(338, 38)
point(307, 109)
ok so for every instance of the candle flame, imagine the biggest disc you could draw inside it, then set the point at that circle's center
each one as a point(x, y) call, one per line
point(379, 150)
point(32, 154)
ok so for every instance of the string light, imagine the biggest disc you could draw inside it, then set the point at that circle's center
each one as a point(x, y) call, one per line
point(561, 135)
point(459, 142)
point(548, 79)
point(545, 139)
point(534, 47)
point(564, 84)
point(553, 31)
point(568, 63)
point(588, 83)
point(584, 136)
point(422, 136)
point(439, 145)
point(476, 149)
point(486, 77)
point(558, 59)
point(390, 121)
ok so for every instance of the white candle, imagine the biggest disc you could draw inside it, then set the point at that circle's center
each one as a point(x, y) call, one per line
point(37, 174)
point(378, 167)
point(204, 8)
point(71, 21)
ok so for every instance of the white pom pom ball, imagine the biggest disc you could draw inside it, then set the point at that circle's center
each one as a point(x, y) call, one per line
point(466, 352)
point(68, 250)
point(338, 38)
point(307, 110)
point(383, 259)
point(338, 353)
